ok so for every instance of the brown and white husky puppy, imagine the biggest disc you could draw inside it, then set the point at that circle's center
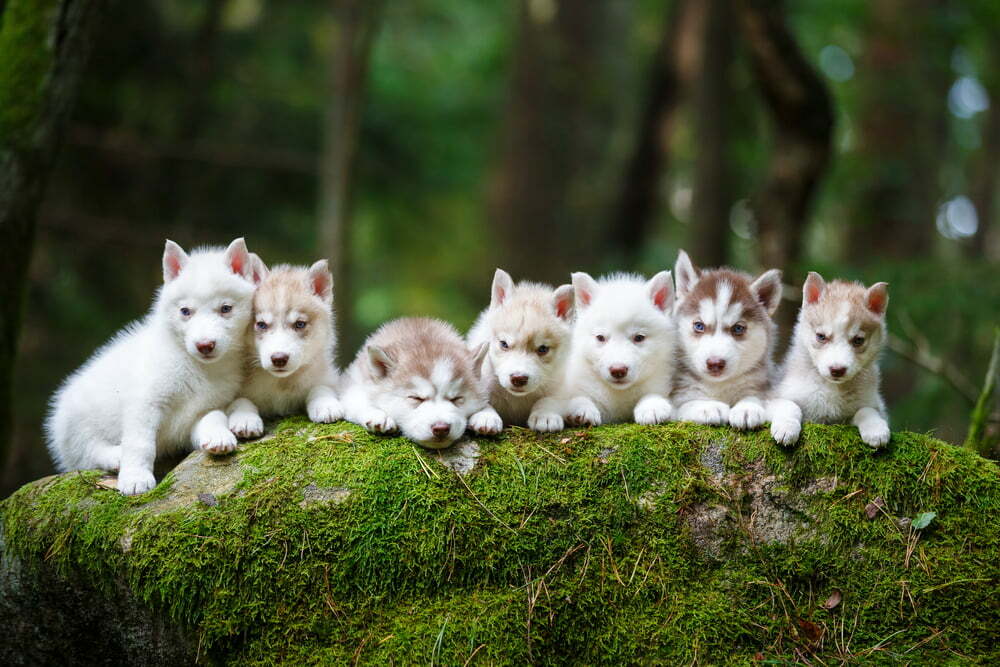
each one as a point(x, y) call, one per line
point(527, 329)
point(727, 335)
point(415, 375)
point(831, 372)
point(294, 337)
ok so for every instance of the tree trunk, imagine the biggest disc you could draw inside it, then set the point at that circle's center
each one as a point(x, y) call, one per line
point(43, 47)
point(986, 178)
point(357, 21)
point(550, 199)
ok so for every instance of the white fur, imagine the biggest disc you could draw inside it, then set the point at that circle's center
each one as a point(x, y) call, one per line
point(149, 391)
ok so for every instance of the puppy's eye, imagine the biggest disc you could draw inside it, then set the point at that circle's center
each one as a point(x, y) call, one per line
point(542, 350)
point(638, 338)
point(300, 324)
point(261, 325)
point(185, 312)
point(739, 329)
point(601, 338)
point(504, 345)
point(699, 326)
point(858, 341)
point(822, 338)
point(417, 399)
point(458, 400)
point(226, 308)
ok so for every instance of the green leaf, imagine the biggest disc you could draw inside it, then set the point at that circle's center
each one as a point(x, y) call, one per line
point(923, 520)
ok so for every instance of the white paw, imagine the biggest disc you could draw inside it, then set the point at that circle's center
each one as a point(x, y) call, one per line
point(217, 441)
point(545, 422)
point(246, 424)
point(584, 415)
point(653, 411)
point(747, 415)
point(875, 433)
point(785, 431)
point(486, 422)
point(133, 481)
point(324, 410)
point(707, 412)
point(376, 421)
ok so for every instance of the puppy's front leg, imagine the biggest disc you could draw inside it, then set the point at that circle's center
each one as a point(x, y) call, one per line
point(359, 409)
point(135, 472)
point(874, 429)
point(583, 412)
point(748, 413)
point(653, 409)
point(547, 415)
point(212, 433)
point(486, 422)
point(786, 420)
point(323, 406)
point(244, 419)
point(704, 411)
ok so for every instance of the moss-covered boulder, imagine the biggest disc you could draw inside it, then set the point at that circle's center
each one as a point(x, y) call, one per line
point(614, 545)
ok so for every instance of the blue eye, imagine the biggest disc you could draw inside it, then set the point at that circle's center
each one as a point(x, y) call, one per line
point(185, 312)
point(699, 326)
point(739, 329)
point(262, 326)
point(504, 345)
point(226, 308)
point(821, 337)
point(300, 324)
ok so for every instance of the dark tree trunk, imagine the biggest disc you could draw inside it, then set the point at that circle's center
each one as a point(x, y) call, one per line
point(357, 22)
point(800, 105)
point(43, 48)
point(986, 178)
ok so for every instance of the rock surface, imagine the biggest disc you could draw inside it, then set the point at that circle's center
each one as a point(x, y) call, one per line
point(611, 545)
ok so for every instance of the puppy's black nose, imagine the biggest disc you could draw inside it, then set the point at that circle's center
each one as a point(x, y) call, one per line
point(519, 380)
point(618, 372)
point(279, 359)
point(205, 346)
point(440, 430)
point(715, 365)
point(838, 371)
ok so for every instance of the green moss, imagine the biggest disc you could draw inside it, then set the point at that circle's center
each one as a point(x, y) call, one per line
point(581, 546)
point(27, 55)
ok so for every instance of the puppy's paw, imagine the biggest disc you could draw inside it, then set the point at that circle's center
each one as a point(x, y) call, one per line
point(706, 412)
point(324, 410)
point(545, 422)
point(785, 431)
point(653, 411)
point(133, 481)
point(874, 433)
point(584, 415)
point(747, 415)
point(486, 422)
point(218, 441)
point(246, 424)
point(377, 421)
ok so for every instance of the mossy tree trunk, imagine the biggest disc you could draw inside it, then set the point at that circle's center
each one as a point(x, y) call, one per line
point(43, 46)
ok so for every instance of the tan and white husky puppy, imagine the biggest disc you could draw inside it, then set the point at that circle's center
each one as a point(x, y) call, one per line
point(831, 372)
point(727, 336)
point(290, 365)
point(415, 375)
point(527, 330)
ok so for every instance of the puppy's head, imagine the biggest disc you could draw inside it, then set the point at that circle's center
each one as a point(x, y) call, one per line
point(624, 326)
point(206, 298)
point(842, 325)
point(724, 318)
point(293, 308)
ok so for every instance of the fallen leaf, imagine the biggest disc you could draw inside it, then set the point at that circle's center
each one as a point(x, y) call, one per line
point(208, 499)
point(923, 520)
point(873, 508)
point(812, 631)
point(833, 600)
point(564, 441)
point(109, 482)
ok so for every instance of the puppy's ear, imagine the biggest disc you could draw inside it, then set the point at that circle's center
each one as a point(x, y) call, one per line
point(585, 288)
point(379, 362)
point(258, 269)
point(812, 289)
point(321, 280)
point(562, 302)
point(479, 360)
point(877, 298)
point(685, 273)
point(661, 291)
point(237, 258)
point(767, 290)
point(502, 288)
point(174, 260)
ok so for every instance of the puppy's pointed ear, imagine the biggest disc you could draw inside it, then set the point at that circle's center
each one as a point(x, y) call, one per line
point(258, 269)
point(502, 288)
point(562, 302)
point(237, 258)
point(584, 288)
point(174, 260)
point(661, 291)
point(685, 273)
point(767, 290)
point(877, 298)
point(379, 362)
point(321, 280)
point(479, 360)
point(812, 288)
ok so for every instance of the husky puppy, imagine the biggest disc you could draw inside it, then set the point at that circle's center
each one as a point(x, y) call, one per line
point(290, 358)
point(161, 384)
point(415, 375)
point(831, 373)
point(527, 331)
point(727, 335)
point(622, 355)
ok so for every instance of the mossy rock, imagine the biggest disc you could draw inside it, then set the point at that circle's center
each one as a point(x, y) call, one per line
point(619, 544)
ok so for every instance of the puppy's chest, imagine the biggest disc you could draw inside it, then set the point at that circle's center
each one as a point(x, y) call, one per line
point(190, 399)
point(274, 396)
point(823, 403)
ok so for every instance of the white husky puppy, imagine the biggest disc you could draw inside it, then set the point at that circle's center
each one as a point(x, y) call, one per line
point(621, 360)
point(727, 335)
point(831, 372)
point(527, 329)
point(290, 358)
point(415, 375)
point(161, 384)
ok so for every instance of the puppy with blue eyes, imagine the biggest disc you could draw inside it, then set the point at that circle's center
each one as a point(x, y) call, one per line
point(726, 336)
